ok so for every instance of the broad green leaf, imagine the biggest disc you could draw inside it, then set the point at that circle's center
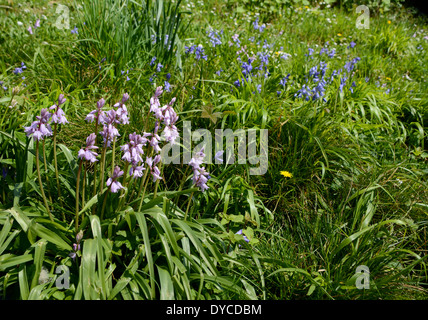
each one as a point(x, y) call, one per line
point(10, 260)
point(23, 282)
point(50, 236)
point(166, 285)
point(39, 254)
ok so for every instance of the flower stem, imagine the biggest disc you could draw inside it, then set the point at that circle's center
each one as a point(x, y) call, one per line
point(188, 205)
point(84, 183)
point(182, 183)
point(46, 171)
point(103, 157)
point(124, 184)
point(77, 196)
point(56, 169)
point(104, 204)
point(95, 171)
point(143, 182)
point(157, 183)
point(40, 181)
point(112, 156)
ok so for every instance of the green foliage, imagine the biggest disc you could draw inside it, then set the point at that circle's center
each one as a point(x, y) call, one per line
point(126, 33)
point(356, 193)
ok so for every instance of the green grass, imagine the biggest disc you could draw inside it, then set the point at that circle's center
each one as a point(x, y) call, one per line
point(358, 191)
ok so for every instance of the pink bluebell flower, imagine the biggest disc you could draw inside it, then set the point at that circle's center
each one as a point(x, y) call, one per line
point(97, 114)
point(58, 115)
point(112, 182)
point(87, 152)
point(200, 175)
point(40, 128)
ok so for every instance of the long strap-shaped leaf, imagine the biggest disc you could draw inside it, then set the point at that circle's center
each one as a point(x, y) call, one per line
point(143, 227)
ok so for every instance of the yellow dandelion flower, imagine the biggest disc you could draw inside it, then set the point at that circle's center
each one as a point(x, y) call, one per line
point(306, 7)
point(388, 78)
point(389, 21)
point(286, 174)
point(339, 34)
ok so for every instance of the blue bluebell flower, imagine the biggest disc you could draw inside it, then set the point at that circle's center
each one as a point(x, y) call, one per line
point(247, 67)
point(323, 50)
point(311, 52)
point(236, 40)
point(353, 85)
point(352, 45)
point(215, 37)
point(257, 26)
point(21, 69)
point(199, 53)
point(284, 80)
point(342, 82)
point(167, 86)
point(189, 50)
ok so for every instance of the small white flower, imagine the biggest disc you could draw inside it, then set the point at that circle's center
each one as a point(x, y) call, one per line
point(44, 276)
point(13, 103)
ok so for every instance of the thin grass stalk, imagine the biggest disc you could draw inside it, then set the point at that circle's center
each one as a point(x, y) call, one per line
point(10, 103)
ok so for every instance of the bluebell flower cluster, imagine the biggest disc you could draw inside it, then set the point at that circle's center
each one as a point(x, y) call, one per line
point(317, 75)
point(127, 72)
point(197, 50)
point(189, 50)
point(215, 37)
point(236, 40)
point(152, 62)
point(199, 53)
point(20, 69)
point(284, 80)
point(257, 26)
